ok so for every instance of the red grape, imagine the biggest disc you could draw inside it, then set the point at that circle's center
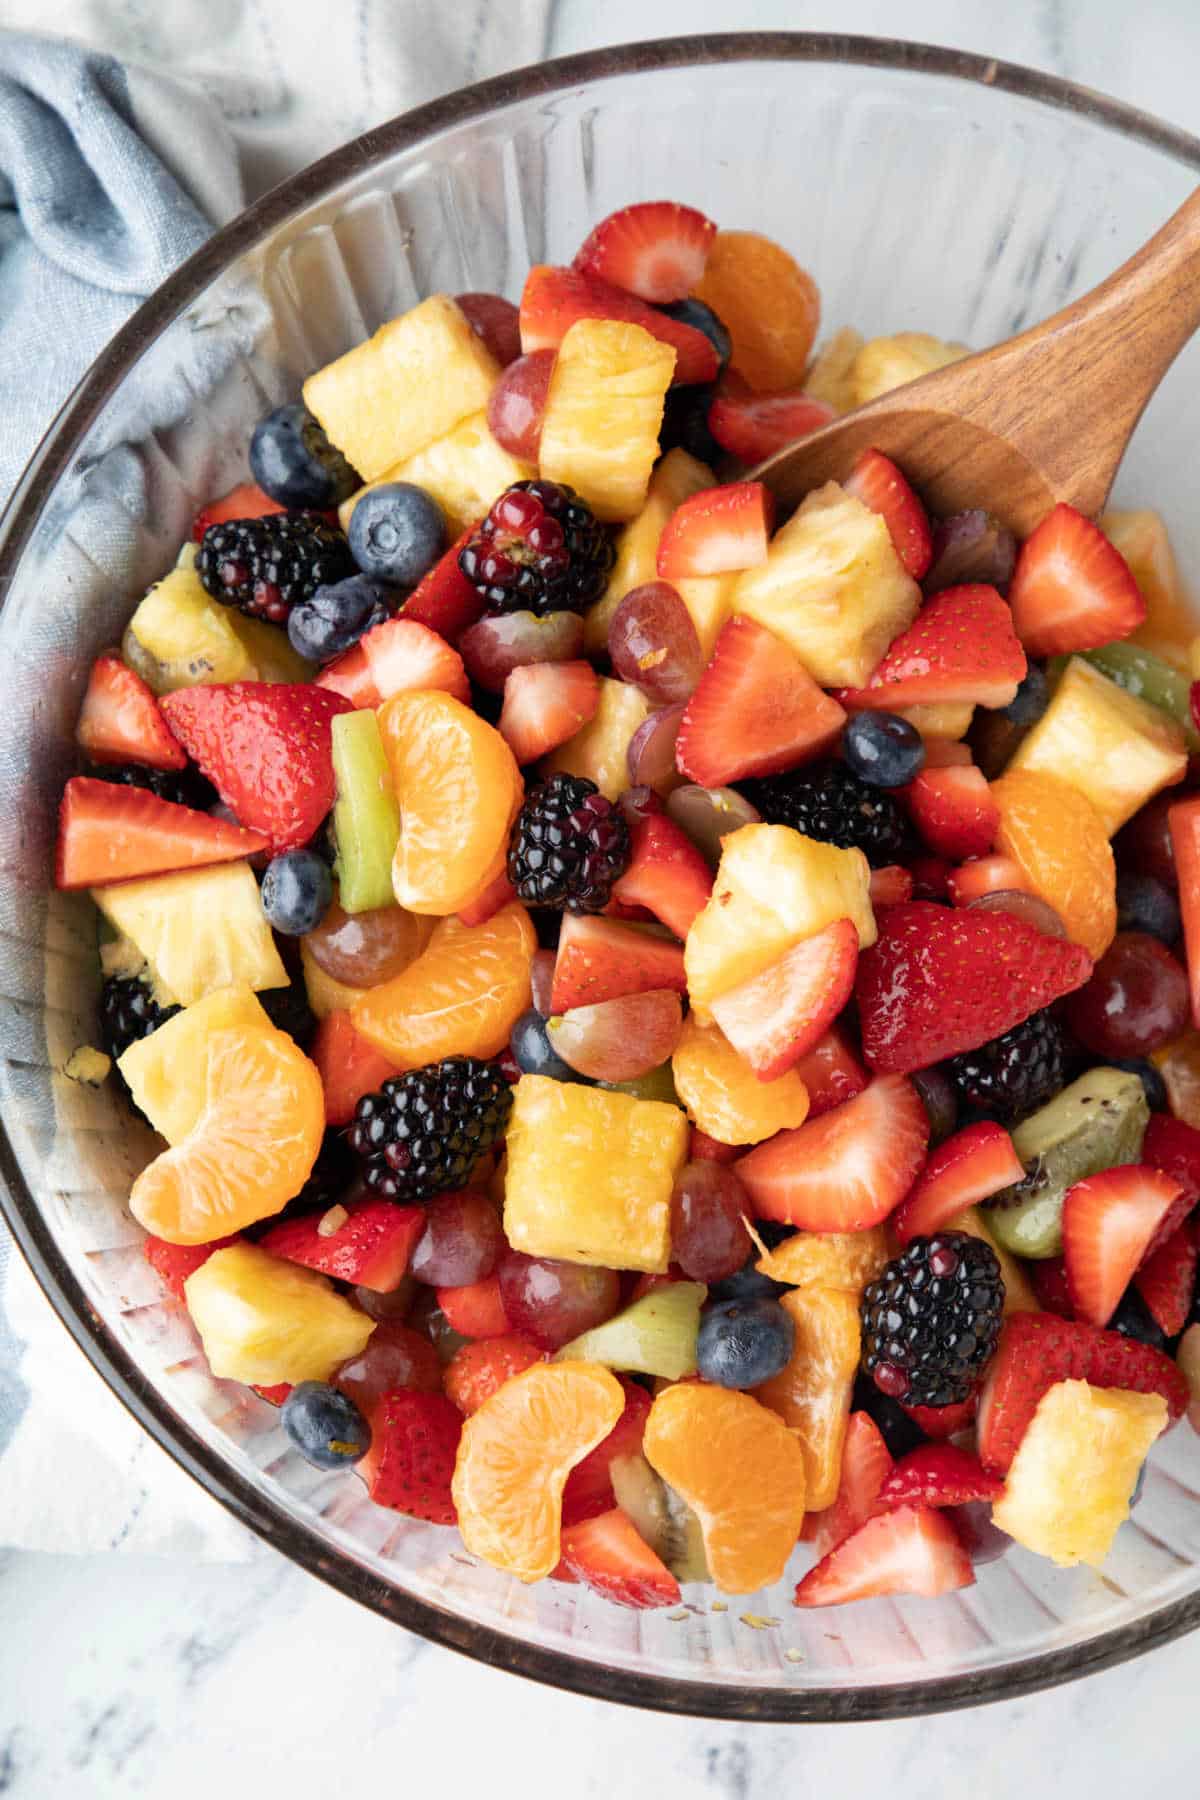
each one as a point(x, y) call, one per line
point(494, 647)
point(709, 814)
point(653, 643)
point(971, 546)
point(387, 1308)
point(651, 752)
point(461, 1240)
point(709, 1239)
point(395, 1356)
point(427, 1318)
point(1136, 1001)
point(541, 975)
point(618, 1040)
point(552, 1301)
point(517, 404)
point(496, 321)
point(367, 947)
point(1144, 845)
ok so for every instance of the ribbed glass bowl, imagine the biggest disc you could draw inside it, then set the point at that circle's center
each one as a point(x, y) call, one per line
point(926, 190)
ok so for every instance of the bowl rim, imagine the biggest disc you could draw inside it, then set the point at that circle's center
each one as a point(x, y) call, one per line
point(31, 1232)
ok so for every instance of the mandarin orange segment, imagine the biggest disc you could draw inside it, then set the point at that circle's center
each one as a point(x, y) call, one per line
point(769, 305)
point(812, 1394)
point(514, 1457)
point(251, 1148)
point(723, 1095)
point(459, 790)
point(1059, 842)
point(849, 1260)
point(740, 1470)
point(461, 997)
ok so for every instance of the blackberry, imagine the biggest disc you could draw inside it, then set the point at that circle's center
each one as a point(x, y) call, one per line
point(1015, 1073)
point(828, 801)
point(288, 1010)
point(266, 566)
point(568, 846)
point(931, 1321)
point(539, 550)
point(426, 1130)
point(128, 1012)
point(186, 787)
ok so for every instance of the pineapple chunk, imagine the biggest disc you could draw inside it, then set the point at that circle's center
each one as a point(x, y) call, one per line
point(411, 383)
point(677, 476)
point(829, 376)
point(464, 472)
point(832, 587)
point(710, 600)
point(165, 1071)
point(891, 362)
point(1111, 746)
point(603, 413)
point(262, 1320)
point(1071, 1480)
point(590, 1174)
point(1142, 539)
point(269, 650)
point(200, 930)
point(773, 888)
point(598, 750)
point(180, 637)
point(812, 1394)
point(949, 719)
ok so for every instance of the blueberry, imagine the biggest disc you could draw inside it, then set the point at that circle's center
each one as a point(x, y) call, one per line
point(326, 1427)
point(1133, 1319)
point(294, 462)
point(1152, 1081)
point(685, 424)
point(337, 616)
point(702, 318)
point(746, 1283)
point(396, 533)
point(1144, 904)
point(1030, 700)
point(900, 1433)
point(296, 891)
point(744, 1342)
point(534, 1054)
point(883, 748)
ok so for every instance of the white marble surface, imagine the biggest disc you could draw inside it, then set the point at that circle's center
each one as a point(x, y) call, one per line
point(126, 1675)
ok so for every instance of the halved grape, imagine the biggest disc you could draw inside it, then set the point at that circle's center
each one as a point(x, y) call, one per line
point(1038, 913)
point(709, 1207)
point(461, 1241)
point(541, 974)
point(654, 645)
point(387, 1308)
point(971, 546)
point(517, 404)
point(555, 1301)
point(651, 752)
point(367, 947)
point(618, 1040)
point(709, 814)
point(496, 321)
point(395, 1357)
point(494, 647)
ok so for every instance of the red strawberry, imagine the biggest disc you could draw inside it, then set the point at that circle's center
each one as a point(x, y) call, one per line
point(245, 502)
point(266, 749)
point(972, 1165)
point(488, 901)
point(372, 1247)
point(1036, 1351)
point(609, 1555)
point(953, 810)
point(866, 1465)
point(756, 710)
point(1174, 1147)
point(942, 1422)
point(939, 981)
point(554, 299)
point(603, 959)
point(986, 875)
point(778, 1016)
point(878, 483)
point(545, 704)
point(1184, 823)
point(444, 599)
point(1108, 1222)
point(891, 885)
point(107, 832)
point(414, 1445)
point(717, 531)
point(831, 1072)
point(402, 655)
point(666, 874)
point(702, 1148)
point(477, 1369)
point(350, 675)
point(475, 1310)
point(1167, 1280)
point(120, 720)
point(960, 647)
point(173, 1263)
point(846, 1170)
point(931, 877)
point(348, 1065)
point(754, 426)
point(589, 1488)
point(274, 1396)
point(939, 1475)
point(913, 1550)
point(657, 250)
point(1072, 589)
point(1050, 1284)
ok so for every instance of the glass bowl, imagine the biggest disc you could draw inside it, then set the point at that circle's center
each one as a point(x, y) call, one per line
point(927, 190)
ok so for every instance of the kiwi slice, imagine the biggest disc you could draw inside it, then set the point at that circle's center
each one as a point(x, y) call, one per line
point(656, 1084)
point(366, 817)
point(1147, 676)
point(1096, 1123)
point(663, 1518)
point(655, 1336)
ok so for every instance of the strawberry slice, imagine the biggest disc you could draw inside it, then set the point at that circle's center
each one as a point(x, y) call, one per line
point(953, 810)
point(476, 1370)
point(276, 1395)
point(778, 1016)
point(937, 981)
point(943, 1421)
point(866, 1465)
point(1174, 1147)
point(960, 647)
point(402, 655)
point(657, 250)
point(913, 1550)
point(717, 531)
point(846, 1170)
point(1167, 1280)
point(754, 426)
point(545, 704)
point(1072, 589)
point(371, 1247)
point(603, 959)
point(120, 719)
point(609, 1555)
point(756, 710)
point(554, 299)
point(878, 483)
point(986, 875)
point(1108, 1223)
point(350, 675)
point(891, 885)
point(666, 874)
point(476, 1309)
point(1049, 1277)
point(444, 599)
point(173, 1263)
point(1037, 1350)
point(348, 1065)
point(107, 832)
point(1184, 823)
point(589, 1488)
point(266, 749)
point(414, 1446)
point(970, 1166)
point(244, 502)
point(831, 1072)
point(487, 902)
point(939, 1475)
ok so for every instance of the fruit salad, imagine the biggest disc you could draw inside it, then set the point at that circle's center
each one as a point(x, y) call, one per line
point(674, 1032)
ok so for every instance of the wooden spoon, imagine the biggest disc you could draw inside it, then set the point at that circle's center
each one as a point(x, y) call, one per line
point(1042, 418)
